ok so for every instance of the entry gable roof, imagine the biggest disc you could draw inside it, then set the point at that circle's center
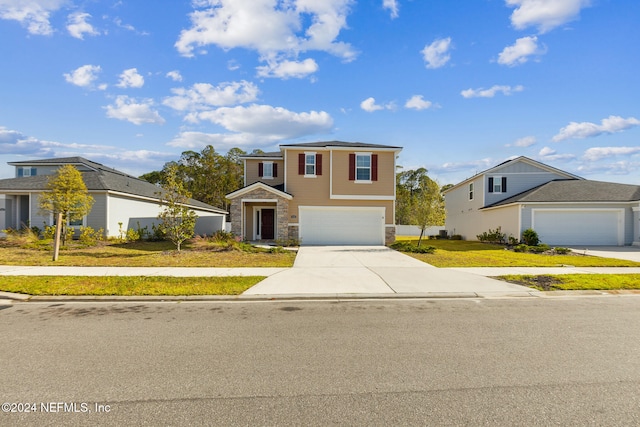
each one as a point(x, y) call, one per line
point(259, 186)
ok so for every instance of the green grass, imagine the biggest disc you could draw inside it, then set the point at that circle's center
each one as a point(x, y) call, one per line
point(577, 281)
point(462, 253)
point(127, 285)
point(147, 254)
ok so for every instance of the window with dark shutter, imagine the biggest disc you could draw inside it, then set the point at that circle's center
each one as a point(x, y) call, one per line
point(374, 167)
point(301, 164)
point(352, 167)
point(275, 170)
point(504, 184)
point(260, 169)
point(318, 164)
point(490, 184)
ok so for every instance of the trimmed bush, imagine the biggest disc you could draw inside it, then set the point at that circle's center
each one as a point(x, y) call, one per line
point(561, 251)
point(530, 237)
point(411, 248)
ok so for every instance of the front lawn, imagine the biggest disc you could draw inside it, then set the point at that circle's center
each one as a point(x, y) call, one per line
point(462, 253)
point(149, 254)
point(575, 282)
point(127, 285)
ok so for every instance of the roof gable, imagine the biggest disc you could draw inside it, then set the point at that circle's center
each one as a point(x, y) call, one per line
point(256, 186)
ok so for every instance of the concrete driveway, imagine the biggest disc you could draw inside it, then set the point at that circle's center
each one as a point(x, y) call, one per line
point(629, 253)
point(373, 270)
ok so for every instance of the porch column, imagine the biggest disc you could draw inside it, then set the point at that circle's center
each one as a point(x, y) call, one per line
point(636, 226)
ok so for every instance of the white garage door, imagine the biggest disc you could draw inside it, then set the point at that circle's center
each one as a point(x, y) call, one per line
point(579, 227)
point(341, 225)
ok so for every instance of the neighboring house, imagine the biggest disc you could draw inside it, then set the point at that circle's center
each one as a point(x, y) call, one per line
point(322, 193)
point(562, 208)
point(119, 199)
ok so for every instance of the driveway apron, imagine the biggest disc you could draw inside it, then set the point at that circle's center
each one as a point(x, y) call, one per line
point(372, 270)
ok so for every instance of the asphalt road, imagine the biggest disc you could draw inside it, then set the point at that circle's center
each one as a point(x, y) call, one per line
point(533, 361)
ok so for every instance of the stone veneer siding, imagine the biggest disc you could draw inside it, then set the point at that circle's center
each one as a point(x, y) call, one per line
point(389, 234)
point(282, 212)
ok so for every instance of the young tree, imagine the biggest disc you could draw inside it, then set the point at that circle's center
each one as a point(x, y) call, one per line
point(429, 205)
point(67, 198)
point(177, 221)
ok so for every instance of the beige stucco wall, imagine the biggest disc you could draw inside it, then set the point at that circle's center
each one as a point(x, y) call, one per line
point(315, 191)
point(251, 172)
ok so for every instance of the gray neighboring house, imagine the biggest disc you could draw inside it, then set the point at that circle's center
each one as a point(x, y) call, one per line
point(564, 209)
point(119, 198)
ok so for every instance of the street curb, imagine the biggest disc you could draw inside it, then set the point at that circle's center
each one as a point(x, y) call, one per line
point(322, 297)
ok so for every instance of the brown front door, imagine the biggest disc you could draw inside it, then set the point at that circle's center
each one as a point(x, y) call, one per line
point(267, 223)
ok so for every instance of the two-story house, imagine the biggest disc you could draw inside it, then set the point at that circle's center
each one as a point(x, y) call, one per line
point(564, 209)
point(322, 193)
point(121, 201)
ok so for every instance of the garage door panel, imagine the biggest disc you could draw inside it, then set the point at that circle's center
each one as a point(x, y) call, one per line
point(578, 227)
point(342, 226)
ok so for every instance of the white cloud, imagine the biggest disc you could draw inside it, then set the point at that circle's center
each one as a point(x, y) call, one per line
point(369, 105)
point(286, 69)
point(202, 96)
point(392, 5)
point(491, 92)
point(524, 142)
point(129, 109)
point(276, 30)
point(174, 75)
point(436, 54)
point(520, 52)
point(474, 165)
point(544, 14)
point(197, 140)
point(583, 130)
point(84, 76)
point(597, 153)
point(78, 26)
point(32, 14)
point(417, 102)
point(268, 121)
point(549, 154)
point(130, 78)
point(17, 143)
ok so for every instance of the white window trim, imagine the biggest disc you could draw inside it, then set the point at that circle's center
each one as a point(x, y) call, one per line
point(364, 181)
point(264, 170)
point(315, 164)
point(471, 191)
point(498, 179)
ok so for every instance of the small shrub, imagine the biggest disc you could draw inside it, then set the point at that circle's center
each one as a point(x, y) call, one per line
point(530, 237)
point(411, 248)
point(223, 236)
point(538, 249)
point(493, 236)
point(277, 250)
point(90, 237)
point(288, 243)
point(561, 251)
point(133, 235)
point(521, 248)
point(512, 241)
point(456, 237)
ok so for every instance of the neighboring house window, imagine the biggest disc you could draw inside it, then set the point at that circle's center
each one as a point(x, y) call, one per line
point(268, 170)
point(471, 191)
point(309, 164)
point(26, 172)
point(363, 167)
point(497, 184)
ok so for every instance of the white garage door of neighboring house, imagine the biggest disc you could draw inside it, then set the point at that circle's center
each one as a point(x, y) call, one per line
point(579, 227)
point(341, 225)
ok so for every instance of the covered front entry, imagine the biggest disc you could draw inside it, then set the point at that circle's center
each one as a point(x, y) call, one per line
point(570, 227)
point(342, 225)
point(264, 222)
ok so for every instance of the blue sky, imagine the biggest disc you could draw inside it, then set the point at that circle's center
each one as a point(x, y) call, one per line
point(461, 85)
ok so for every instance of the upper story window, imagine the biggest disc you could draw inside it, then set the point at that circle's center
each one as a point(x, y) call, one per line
point(497, 184)
point(268, 170)
point(363, 167)
point(29, 171)
point(309, 164)
point(471, 191)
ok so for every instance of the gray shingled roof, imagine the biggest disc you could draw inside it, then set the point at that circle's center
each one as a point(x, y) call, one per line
point(103, 179)
point(339, 144)
point(275, 154)
point(575, 190)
